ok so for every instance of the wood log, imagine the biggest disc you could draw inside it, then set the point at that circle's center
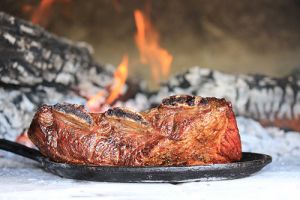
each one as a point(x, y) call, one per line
point(272, 101)
point(29, 55)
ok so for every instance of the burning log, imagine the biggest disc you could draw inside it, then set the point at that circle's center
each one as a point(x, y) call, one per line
point(272, 101)
point(29, 56)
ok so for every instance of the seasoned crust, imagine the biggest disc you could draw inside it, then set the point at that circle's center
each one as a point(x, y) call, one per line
point(74, 109)
point(126, 114)
point(179, 100)
point(183, 130)
point(189, 101)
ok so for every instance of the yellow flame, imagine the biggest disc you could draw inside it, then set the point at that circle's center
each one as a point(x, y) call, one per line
point(120, 75)
point(147, 41)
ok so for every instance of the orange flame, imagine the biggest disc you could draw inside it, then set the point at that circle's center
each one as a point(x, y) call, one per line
point(147, 40)
point(41, 13)
point(94, 102)
point(120, 76)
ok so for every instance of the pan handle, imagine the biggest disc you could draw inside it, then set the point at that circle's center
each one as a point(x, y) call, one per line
point(20, 150)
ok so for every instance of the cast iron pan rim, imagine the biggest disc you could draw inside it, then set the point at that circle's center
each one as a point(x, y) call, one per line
point(248, 165)
point(261, 159)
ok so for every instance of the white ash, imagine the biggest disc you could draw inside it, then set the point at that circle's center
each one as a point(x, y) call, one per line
point(17, 107)
point(140, 103)
point(273, 141)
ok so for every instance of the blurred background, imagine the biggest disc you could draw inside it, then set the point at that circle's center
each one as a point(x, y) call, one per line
point(259, 36)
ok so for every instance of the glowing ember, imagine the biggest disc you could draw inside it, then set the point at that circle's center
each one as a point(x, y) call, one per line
point(41, 13)
point(94, 103)
point(147, 40)
point(97, 102)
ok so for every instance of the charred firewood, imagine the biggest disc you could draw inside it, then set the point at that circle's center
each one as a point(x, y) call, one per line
point(272, 101)
point(29, 56)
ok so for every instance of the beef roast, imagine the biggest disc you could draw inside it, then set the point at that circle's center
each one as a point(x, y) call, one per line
point(183, 130)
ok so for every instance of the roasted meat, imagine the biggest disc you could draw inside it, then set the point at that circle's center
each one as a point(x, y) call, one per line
point(182, 131)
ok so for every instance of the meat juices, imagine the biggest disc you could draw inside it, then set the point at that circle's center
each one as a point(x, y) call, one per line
point(182, 131)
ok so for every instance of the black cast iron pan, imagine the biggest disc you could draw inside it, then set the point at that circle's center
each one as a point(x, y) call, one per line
point(250, 163)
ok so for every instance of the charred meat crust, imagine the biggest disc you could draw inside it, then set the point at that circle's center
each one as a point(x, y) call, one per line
point(179, 100)
point(126, 114)
point(74, 109)
point(187, 100)
point(183, 130)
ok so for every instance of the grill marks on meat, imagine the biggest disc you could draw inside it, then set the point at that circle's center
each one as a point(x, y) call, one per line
point(183, 130)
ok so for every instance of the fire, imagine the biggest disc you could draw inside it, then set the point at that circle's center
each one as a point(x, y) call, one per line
point(120, 77)
point(41, 13)
point(96, 102)
point(147, 41)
